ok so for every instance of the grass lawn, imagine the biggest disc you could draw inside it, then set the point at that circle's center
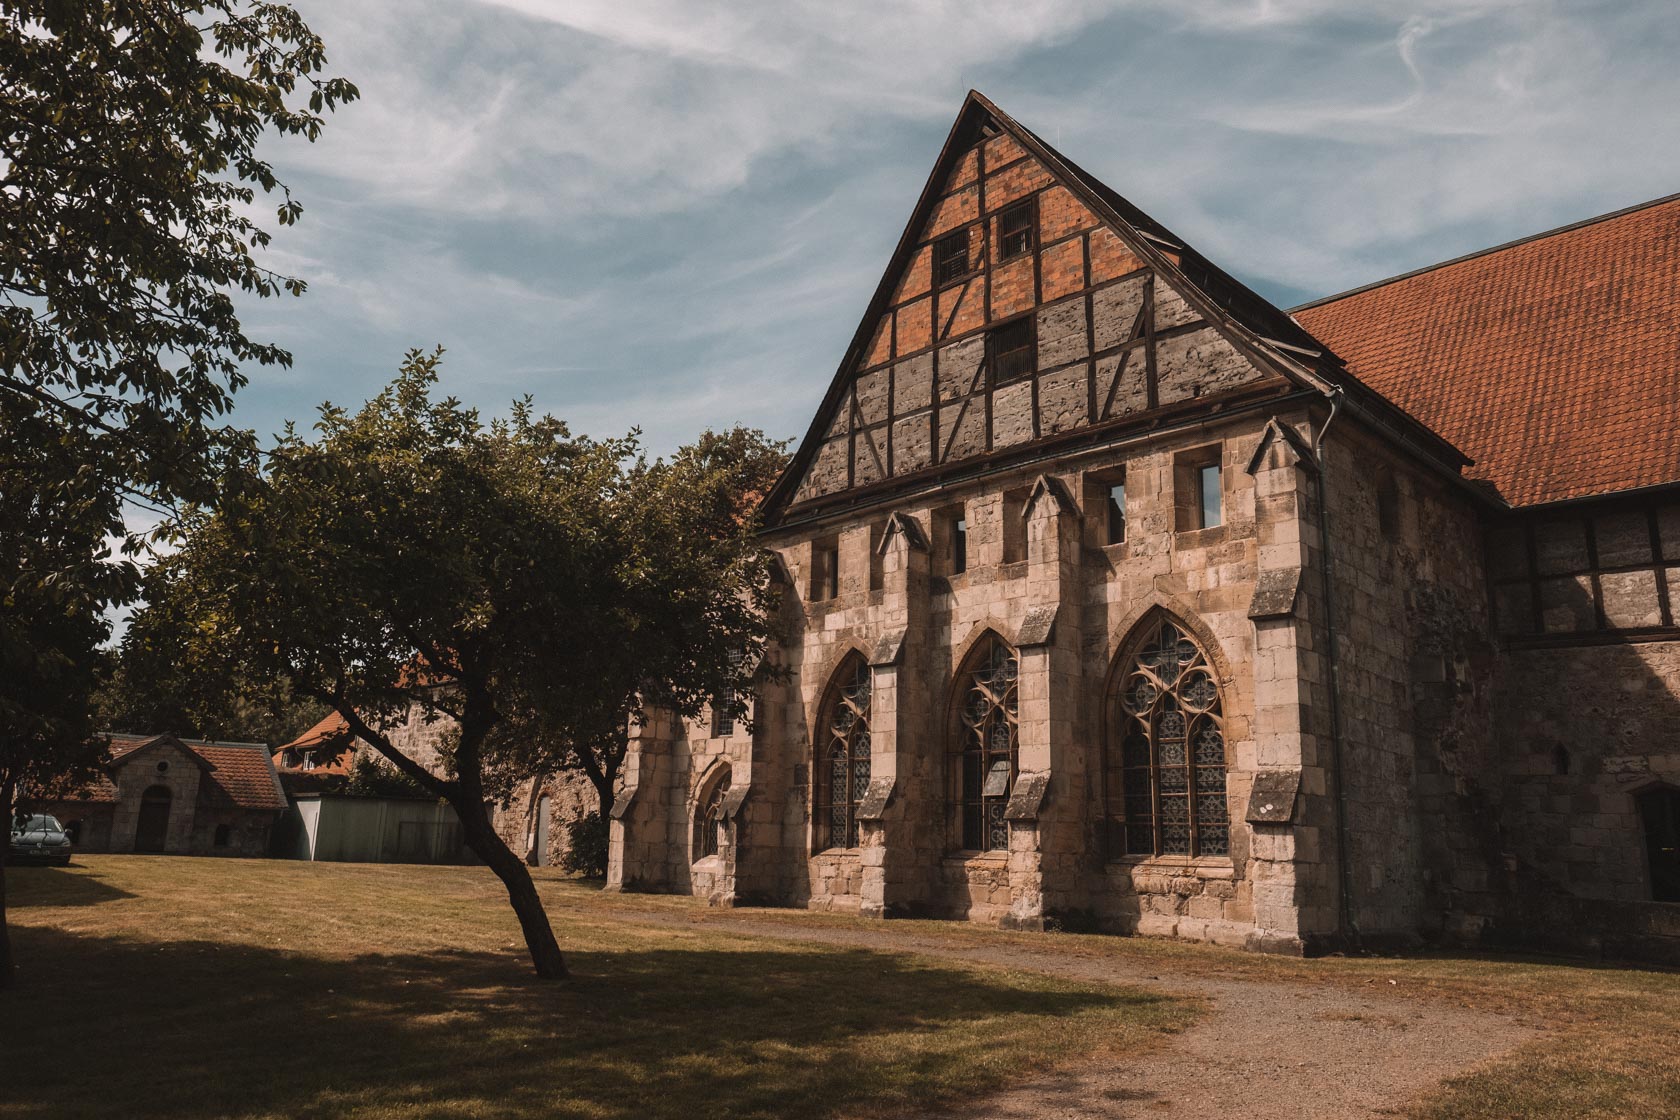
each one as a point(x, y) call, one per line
point(1609, 1047)
point(202, 987)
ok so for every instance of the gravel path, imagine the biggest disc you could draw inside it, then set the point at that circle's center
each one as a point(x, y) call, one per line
point(1273, 1050)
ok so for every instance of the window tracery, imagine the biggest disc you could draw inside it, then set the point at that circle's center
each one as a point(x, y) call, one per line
point(842, 766)
point(1166, 755)
point(989, 737)
point(708, 818)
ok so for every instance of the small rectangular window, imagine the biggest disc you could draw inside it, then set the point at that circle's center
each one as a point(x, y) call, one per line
point(950, 257)
point(1015, 231)
point(1015, 525)
point(1207, 497)
point(1117, 512)
point(1011, 348)
point(950, 540)
point(825, 570)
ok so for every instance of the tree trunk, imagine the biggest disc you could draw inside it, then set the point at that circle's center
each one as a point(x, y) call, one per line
point(466, 796)
point(8, 968)
point(546, 957)
point(605, 794)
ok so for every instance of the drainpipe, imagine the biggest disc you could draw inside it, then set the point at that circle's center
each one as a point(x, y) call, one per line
point(1347, 923)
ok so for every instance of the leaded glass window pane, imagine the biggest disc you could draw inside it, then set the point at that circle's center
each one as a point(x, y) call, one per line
point(1166, 791)
point(709, 824)
point(843, 782)
point(988, 741)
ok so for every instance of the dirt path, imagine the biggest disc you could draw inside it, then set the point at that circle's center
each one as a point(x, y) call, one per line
point(1273, 1050)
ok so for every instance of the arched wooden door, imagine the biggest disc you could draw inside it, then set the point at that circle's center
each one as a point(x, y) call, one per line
point(152, 831)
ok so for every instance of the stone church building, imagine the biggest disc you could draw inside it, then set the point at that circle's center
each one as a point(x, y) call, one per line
point(1116, 597)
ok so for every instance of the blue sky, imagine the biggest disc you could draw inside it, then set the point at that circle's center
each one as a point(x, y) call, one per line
point(670, 214)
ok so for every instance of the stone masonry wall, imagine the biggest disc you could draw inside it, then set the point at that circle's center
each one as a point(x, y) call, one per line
point(1412, 656)
point(1202, 577)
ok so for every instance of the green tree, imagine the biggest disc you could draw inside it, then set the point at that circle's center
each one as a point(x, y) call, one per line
point(706, 496)
point(414, 563)
point(142, 689)
point(128, 161)
point(58, 576)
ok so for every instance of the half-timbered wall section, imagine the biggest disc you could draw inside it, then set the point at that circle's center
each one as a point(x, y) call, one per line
point(1605, 570)
point(1019, 316)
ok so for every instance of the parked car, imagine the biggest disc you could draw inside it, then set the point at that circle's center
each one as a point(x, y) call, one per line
point(39, 838)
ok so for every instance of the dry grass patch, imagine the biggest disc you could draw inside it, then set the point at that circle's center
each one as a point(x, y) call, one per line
point(196, 987)
point(1609, 1047)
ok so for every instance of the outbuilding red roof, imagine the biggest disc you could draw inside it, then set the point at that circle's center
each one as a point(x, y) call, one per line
point(235, 774)
point(1553, 362)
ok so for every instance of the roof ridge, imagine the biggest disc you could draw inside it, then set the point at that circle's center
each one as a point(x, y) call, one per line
point(1541, 236)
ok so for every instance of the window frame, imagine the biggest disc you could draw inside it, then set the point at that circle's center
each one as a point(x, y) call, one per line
point(1128, 715)
point(825, 570)
point(942, 274)
point(1658, 810)
point(833, 736)
point(1202, 493)
point(1029, 208)
point(983, 697)
point(1028, 325)
point(1115, 512)
point(708, 817)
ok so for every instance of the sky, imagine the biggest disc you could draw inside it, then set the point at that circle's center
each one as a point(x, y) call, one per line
point(670, 214)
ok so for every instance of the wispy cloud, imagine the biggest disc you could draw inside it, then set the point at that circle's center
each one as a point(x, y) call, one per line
point(669, 214)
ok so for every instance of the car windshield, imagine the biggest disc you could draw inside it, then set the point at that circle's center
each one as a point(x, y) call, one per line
point(40, 824)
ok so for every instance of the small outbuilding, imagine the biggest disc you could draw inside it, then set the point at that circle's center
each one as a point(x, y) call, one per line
point(176, 796)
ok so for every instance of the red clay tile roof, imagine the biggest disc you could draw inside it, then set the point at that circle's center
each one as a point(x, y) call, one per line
point(1554, 362)
point(236, 774)
point(331, 728)
point(242, 777)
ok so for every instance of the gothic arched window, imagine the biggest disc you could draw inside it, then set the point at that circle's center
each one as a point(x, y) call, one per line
point(987, 738)
point(1165, 772)
point(708, 817)
point(842, 763)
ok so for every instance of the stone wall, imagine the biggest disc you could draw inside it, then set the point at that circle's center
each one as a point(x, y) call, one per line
point(166, 765)
point(570, 796)
point(1412, 662)
point(1041, 575)
point(1584, 729)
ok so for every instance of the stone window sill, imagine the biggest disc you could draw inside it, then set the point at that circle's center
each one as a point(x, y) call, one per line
point(837, 854)
point(1200, 538)
point(978, 859)
point(1211, 865)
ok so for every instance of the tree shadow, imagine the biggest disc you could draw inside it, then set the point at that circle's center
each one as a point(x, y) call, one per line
point(657, 1032)
point(57, 886)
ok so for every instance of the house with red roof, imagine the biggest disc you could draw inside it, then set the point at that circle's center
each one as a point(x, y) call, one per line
point(164, 794)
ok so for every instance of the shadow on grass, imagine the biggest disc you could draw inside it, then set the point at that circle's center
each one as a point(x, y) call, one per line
point(57, 886)
point(109, 1026)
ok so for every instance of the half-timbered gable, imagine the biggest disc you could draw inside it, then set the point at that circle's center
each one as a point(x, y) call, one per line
point(1020, 307)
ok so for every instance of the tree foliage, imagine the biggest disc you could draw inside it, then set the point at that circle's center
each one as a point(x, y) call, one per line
point(128, 132)
point(701, 510)
point(128, 170)
point(412, 562)
point(142, 690)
